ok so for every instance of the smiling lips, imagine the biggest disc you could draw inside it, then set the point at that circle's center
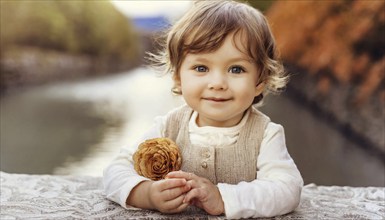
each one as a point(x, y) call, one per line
point(214, 99)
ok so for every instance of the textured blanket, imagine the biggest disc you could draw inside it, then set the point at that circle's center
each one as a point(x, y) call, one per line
point(82, 197)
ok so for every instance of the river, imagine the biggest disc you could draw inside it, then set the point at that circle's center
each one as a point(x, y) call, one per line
point(76, 128)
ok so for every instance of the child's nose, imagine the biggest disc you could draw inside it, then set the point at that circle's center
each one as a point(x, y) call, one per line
point(218, 81)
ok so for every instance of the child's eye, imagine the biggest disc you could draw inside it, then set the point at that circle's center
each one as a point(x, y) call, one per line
point(201, 69)
point(236, 69)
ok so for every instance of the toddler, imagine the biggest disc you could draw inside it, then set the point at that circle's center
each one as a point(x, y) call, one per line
point(222, 58)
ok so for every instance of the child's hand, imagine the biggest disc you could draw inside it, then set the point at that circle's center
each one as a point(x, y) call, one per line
point(203, 194)
point(167, 195)
point(164, 195)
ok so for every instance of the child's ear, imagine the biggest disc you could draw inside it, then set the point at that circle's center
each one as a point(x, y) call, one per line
point(176, 89)
point(259, 88)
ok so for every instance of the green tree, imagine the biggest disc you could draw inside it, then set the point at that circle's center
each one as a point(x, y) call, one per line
point(94, 28)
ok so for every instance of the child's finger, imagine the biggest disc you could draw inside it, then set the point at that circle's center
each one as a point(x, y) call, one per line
point(192, 184)
point(181, 174)
point(171, 183)
point(194, 193)
point(175, 204)
point(181, 207)
point(172, 193)
point(175, 174)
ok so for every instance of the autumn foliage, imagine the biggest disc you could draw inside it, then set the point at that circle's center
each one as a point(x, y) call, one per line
point(335, 41)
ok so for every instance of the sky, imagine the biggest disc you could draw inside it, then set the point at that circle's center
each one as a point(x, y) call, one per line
point(172, 9)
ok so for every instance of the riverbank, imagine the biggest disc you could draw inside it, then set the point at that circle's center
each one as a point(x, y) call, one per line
point(31, 66)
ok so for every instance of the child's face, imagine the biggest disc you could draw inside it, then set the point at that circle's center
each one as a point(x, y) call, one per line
point(220, 85)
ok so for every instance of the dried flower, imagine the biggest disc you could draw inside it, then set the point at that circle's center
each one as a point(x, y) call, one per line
point(156, 157)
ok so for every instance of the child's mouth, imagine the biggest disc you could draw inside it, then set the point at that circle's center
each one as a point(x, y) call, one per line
point(214, 99)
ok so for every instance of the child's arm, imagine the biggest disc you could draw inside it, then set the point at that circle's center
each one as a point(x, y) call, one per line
point(277, 189)
point(120, 177)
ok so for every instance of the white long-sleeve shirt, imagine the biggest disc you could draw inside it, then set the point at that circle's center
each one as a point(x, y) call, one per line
point(276, 191)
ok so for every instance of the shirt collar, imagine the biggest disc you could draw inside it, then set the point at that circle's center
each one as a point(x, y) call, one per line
point(193, 127)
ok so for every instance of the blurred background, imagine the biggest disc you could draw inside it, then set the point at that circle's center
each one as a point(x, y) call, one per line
point(75, 87)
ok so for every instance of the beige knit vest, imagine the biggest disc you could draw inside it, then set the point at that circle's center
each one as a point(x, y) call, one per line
point(220, 165)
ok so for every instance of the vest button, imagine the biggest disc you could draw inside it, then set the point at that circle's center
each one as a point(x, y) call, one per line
point(204, 164)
